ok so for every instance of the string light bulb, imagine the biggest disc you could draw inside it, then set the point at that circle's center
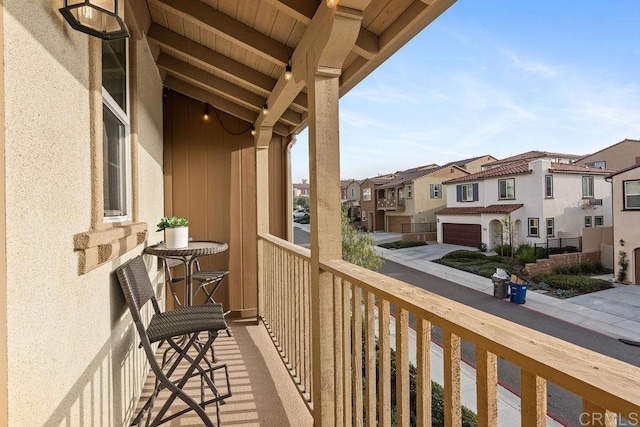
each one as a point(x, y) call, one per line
point(265, 109)
point(206, 111)
point(253, 130)
point(287, 72)
point(332, 3)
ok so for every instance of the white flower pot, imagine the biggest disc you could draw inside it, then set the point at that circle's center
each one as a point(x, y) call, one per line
point(176, 238)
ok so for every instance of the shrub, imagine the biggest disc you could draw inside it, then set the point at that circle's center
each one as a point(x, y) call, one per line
point(482, 247)
point(571, 249)
point(401, 244)
point(504, 250)
point(567, 293)
point(526, 254)
point(580, 284)
point(623, 262)
point(462, 253)
point(500, 259)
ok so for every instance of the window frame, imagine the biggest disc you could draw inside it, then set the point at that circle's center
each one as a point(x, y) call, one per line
point(409, 191)
point(550, 224)
point(601, 220)
point(466, 190)
point(530, 227)
point(506, 196)
point(548, 186)
point(626, 194)
point(124, 117)
point(591, 185)
point(366, 194)
point(436, 191)
point(588, 221)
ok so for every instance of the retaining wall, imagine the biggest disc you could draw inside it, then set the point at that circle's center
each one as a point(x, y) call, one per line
point(561, 260)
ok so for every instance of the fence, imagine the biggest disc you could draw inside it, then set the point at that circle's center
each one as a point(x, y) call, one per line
point(426, 227)
point(561, 245)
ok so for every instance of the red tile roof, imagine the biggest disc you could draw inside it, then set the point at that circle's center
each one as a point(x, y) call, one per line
point(477, 210)
point(517, 168)
point(566, 168)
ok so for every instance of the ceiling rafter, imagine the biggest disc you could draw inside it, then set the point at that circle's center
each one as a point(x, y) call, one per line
point(223, 65)
point(220, 86)
point(224, 26)
point(219, 102)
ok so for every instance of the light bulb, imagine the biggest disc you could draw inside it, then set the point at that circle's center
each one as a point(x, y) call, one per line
point(253, 130)
point(287, 72)
point(332, 3)
point(265, 109)
point(206, 111)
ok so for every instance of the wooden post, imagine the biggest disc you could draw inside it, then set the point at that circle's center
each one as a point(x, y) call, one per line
point(262, 140)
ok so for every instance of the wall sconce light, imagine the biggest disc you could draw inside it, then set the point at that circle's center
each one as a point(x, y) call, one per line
point(287, 72)
point(98, 18)
point(206, 111)
point(265, 109)
point(253, 130)
point(332, 3)
point(621, 242)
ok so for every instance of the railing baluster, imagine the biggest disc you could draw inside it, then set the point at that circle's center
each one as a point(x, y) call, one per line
point(402, 367)
point(338, 351)
point(533, 400)
point(384, 360)
point(370, 354)
point(309, 344)
point(452, 410)
point(596, 416)
point(487, 388)
point(423, 386)
point(347, 344)
point(356, 327)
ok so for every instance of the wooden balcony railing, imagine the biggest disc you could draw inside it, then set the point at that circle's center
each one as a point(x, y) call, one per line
point(362, 311)
point(391, 203)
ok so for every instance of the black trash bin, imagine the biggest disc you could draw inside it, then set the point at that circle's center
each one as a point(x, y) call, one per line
point(500, 287)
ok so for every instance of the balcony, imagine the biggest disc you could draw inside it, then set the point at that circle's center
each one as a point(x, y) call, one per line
point(591, 202)
point(391, 204)
point(327, 343)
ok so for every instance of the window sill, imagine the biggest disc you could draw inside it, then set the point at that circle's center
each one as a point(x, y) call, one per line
point(99, 246)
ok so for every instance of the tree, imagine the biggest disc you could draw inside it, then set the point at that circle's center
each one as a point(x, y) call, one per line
point(302, 202)
point(357, 247)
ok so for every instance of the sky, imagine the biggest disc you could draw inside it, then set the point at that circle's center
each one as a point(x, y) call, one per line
point(498, 77)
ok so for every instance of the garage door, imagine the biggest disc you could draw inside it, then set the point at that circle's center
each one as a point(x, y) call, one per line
point(462, 234)
point(394, 223)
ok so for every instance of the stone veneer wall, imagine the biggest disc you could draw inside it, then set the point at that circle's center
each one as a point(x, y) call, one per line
point(560, 260)
point(420, 237)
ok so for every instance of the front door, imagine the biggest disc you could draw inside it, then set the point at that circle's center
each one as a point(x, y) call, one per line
point(636, 263)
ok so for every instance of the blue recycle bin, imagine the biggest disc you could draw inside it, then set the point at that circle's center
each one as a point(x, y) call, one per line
point(518, 293)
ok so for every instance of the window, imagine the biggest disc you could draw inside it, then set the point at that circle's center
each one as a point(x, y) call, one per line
point(366, 194)
point(548, 186)
point(353, 193)
point(436, 191)
point(507, 189)
point(467, 192)
point(409, 192)
point(534, 227)
point(598, 221)
point(587, 221)
point(115, 144)
point(631, 194)
point(399, 193)
point(587, 186)
point(601, 164)
point(364, 215)
point(550, 227)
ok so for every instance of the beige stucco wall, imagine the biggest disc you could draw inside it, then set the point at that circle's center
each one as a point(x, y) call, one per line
point(71, 353)
point(618, 156)
point(625, 227)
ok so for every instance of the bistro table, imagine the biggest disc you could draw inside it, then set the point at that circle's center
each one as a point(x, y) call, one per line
point(187, 255)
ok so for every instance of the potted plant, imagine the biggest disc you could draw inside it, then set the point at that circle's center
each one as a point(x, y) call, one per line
point(176, 232)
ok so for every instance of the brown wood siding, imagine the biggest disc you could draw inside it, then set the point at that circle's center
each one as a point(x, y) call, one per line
point(210, 180)
point(462, 234)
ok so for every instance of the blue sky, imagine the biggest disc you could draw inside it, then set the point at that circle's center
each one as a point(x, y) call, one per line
point(497, 77)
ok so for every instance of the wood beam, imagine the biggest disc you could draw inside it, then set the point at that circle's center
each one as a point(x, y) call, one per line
point(417, 16)
point(221, 64)
point(218, 102)
point(220, 86)
point(367, 44)
point(225, 26)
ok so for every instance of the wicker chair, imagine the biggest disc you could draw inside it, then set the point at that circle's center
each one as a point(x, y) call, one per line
point(180, 328)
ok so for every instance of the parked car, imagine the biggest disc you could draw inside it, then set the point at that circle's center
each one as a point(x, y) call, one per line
point(298, 213)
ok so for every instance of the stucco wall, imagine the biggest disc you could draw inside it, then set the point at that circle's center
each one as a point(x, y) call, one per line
point(626, 228)
point(71, 353)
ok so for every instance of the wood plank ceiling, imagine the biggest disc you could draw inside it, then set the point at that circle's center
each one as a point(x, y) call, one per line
point(232, 53)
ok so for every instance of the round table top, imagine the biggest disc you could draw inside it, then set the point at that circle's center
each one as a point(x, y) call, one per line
point(195, 248)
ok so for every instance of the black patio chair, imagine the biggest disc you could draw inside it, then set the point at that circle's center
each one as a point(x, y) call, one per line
point(180, 328)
